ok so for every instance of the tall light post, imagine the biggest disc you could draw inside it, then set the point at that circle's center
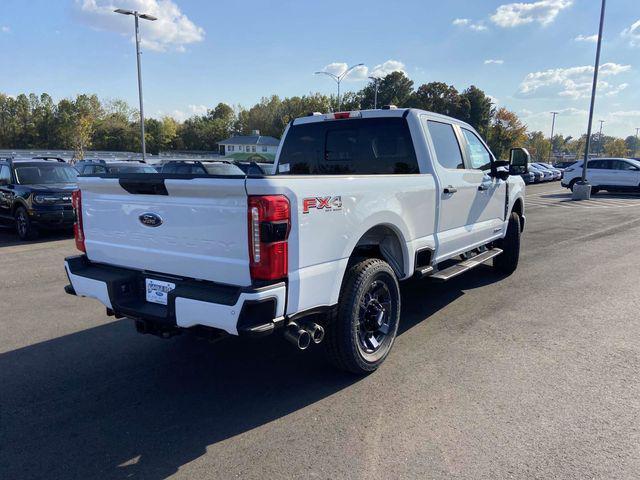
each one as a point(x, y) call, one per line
point(376, 83)
point(553, 124)
point(600, 139)
point(583, 190)
point(136, 16)
point(339, 78)
point(635, 150)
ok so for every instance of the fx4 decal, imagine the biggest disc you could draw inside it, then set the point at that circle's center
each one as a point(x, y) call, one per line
point(328, 204)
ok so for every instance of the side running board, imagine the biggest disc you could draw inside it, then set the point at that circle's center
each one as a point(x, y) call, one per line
point(465, 265)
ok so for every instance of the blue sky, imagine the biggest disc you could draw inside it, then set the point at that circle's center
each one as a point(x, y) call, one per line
point(532, 57)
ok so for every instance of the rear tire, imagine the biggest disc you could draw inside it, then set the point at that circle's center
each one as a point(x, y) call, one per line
point(507, 261)
point(364, 326)
point(25, 229)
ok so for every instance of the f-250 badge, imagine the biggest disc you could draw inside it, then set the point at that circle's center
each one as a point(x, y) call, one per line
point(328, 204)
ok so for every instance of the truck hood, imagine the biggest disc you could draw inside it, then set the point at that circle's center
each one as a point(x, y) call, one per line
point(53, 187)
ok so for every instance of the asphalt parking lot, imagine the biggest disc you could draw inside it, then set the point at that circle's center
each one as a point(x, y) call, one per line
point(530, 376)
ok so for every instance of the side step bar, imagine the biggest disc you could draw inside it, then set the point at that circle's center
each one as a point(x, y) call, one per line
point(465, 265)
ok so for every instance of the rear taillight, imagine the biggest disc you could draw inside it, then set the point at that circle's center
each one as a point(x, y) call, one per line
point(269, 223)
point(78, 232)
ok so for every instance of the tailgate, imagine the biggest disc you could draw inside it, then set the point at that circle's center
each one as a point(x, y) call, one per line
point(194, 227)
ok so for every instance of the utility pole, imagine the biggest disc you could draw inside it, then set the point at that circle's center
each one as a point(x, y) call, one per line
point(635, 150)
point(376, 83)
point(339, 78)
point(600, 139)
point(553, 124)
point(582, 189)
point(151, 18)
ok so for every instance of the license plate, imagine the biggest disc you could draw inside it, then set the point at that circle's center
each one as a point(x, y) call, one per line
point(157, 291)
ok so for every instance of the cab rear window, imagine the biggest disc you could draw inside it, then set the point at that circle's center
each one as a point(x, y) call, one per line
point(372, 146)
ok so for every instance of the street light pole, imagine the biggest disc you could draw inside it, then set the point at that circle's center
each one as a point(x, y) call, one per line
point(136, 16)
point(600, 139)
point(584, 190)
point(339, 78)
point(635, 150)
point(553, 124)
point(376, 83)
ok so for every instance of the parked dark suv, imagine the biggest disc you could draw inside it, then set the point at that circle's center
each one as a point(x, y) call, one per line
point(35, 194)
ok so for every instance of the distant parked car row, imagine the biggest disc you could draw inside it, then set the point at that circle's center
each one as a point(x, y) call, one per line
point(177, 167)
point(541, 172)
point(92, 166)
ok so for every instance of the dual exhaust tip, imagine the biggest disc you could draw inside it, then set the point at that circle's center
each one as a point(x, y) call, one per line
point(302, 335)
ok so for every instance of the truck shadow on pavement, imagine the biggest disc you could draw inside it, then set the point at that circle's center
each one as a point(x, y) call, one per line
point(109, 403)
point(9, 237)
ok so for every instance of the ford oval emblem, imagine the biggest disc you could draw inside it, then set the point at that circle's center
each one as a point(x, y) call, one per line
point(150, 220)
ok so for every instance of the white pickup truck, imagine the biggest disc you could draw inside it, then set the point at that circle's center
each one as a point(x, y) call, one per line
point(357, 202)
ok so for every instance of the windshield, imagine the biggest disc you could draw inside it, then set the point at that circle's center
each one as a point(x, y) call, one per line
point(44, 173)
point(131, 169)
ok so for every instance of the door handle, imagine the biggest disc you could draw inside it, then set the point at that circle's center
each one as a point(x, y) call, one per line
point(450, 189)
point(483, 186)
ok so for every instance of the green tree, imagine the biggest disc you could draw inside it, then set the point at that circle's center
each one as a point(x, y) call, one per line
point(615, 147)
point(633, 145)
point(539, 146)
point(480, 107)
point(441, 98)
point(505, 132)
point(393, 89)
point(118, 129)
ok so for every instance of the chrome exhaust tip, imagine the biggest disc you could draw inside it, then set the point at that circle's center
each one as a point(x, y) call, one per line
point(317, 333)
point(300, 337)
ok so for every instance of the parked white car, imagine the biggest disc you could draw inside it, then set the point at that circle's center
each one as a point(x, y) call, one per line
point(358, 201)
point(611, 174)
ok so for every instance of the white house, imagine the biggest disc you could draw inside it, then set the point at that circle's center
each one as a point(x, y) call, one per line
point(244, 146)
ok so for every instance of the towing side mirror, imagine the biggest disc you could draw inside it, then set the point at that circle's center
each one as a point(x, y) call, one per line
point(519, 159)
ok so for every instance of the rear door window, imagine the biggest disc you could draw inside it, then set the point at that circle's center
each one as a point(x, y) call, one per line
point(372, 146)
point(446, 145)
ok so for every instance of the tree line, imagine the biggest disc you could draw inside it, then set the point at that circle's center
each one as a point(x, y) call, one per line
point(85, 122)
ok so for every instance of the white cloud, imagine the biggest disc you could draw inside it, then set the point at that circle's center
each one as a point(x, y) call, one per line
point(565, 112)
point(587, 38)
point(461, 21)
point(182, 115)
point(632, 33)
point(172, 31)
point(494, 100)
point(362, 72)
point(573, 82)
point(386, 68)
point(198, 109)
point(626, 113)
point(492, 61)
point(543, 12)
point(5, 29)
point(616, 90)
point(467, 23)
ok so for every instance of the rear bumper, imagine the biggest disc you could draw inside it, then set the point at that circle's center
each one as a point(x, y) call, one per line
point(234, 310)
